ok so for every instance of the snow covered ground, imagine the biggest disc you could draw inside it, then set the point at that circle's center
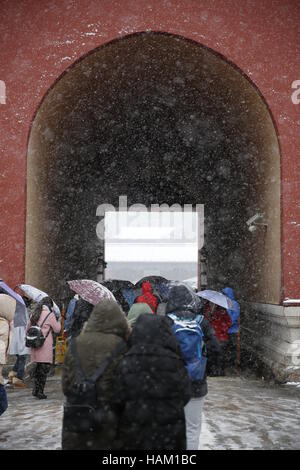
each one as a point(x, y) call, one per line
point(250, 414)
point(239, 414)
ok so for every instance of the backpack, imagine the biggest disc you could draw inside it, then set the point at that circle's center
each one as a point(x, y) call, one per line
point(34, 336)
point(189, 334)
point(84, 411)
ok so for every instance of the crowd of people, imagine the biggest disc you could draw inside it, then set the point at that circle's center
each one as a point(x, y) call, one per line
point(132, 380)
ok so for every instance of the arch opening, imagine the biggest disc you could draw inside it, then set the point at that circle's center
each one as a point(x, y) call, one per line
point(160, 119)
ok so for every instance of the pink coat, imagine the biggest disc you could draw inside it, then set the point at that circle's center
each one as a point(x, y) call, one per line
point(45, 353)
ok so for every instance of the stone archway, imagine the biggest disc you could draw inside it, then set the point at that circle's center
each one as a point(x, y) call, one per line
point(163, 120)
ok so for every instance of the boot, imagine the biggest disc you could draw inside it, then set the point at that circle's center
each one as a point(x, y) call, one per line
point(11, 376)
point(40, 380)
point(18, 383)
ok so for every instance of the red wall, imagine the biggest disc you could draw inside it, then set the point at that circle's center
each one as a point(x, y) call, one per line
point(40, 39)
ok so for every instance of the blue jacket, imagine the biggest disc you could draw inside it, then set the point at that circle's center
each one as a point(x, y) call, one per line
point(69, 314)
point(234, 314)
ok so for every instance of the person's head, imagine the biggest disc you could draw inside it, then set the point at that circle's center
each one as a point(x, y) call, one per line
point(136, 310)
point(83, 309)
point(46, 302)
point(154, 330)
point(27, 301)
point(107, 317)
point(183, 299)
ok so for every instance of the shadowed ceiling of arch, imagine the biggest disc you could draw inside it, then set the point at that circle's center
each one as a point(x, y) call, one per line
point(159, 119)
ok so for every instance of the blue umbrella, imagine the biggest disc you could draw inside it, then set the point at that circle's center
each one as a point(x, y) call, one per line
point(7, 290)
point(21, 315)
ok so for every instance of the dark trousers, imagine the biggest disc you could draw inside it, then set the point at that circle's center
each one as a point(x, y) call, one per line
point(40, 377)
point(216, 363)
point(19, 366)
point(3, 399)
point(231, 354)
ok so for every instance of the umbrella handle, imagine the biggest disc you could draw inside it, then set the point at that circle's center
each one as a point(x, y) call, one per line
point(63, 314)
point(239, 349)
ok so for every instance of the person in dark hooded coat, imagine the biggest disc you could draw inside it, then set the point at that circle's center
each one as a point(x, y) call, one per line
point(185, 304)
point(152, 388)
point(104, 332)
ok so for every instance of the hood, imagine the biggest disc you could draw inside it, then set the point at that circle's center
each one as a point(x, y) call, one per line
point(137, 310)
point(146, 287)
point(107, 317)
point(154, 330)
point(229, 292)
point(181, 298)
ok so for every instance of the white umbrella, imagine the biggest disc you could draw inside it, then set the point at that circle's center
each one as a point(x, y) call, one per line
point(217, 298)
point(91, 291)
point(192, 282)
point(37, 295)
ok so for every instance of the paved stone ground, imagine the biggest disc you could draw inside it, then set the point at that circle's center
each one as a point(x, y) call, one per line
point(249, 414)
point(239, 414)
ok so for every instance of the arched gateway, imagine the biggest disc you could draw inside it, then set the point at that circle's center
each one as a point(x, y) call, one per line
point(125, 111)
point(160, 119)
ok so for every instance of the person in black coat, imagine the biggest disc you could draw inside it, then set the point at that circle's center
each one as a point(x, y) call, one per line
point(152, 388)
point(82, 313)
point(185, 304)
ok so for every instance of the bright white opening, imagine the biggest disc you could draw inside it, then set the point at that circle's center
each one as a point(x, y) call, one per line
point(144, 243)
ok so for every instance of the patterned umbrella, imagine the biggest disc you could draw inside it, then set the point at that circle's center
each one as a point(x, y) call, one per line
point(91, 291)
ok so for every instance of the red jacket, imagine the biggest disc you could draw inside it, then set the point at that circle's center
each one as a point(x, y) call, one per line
point(220, 322)
point(147, 297)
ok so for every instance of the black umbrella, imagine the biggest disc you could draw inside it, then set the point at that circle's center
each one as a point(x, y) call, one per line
point(154, 280)
point(116, 284)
